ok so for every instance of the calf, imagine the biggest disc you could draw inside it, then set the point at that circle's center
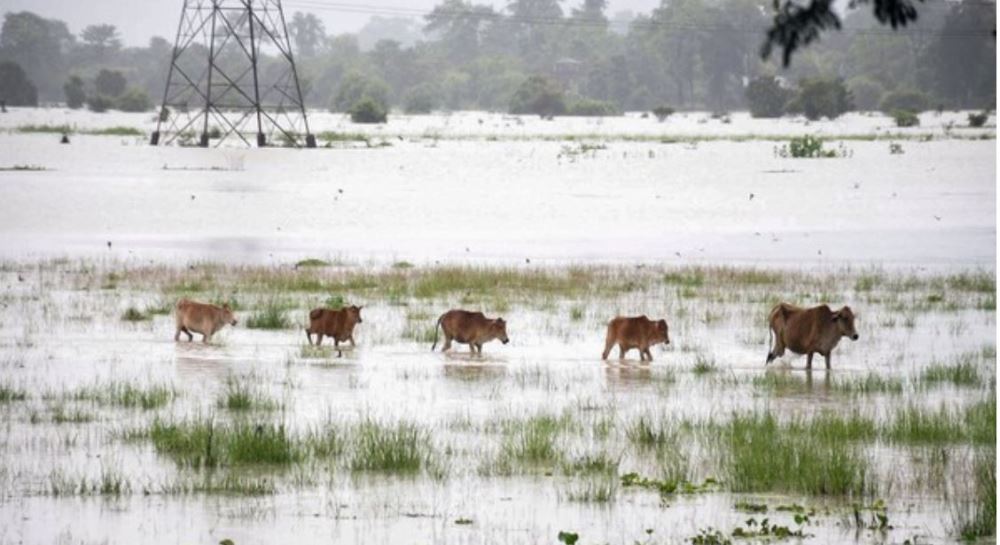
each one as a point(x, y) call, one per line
point(472, 328)
point(635, 332)
point(338, 324)
point(201, 318)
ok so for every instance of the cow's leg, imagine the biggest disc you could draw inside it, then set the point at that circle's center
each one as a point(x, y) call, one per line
point(649, 355)
point(177, 335)
point(319, 338)
point(206, 337)
point(309, 337)
point(809, 361)
point(188, 333)
point(447, 343)
point(827, 358)
point(351, 338)
point(621, 351)
point(608, 344)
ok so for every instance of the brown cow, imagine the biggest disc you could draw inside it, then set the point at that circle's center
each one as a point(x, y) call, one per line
point(338, 324)
point(635, 332)
point(201, 318)
point(809, 330)
point(472, 328)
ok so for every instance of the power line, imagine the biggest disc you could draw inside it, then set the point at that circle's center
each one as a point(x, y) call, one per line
point(367, 9)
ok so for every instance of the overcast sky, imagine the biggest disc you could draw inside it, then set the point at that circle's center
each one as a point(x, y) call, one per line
point(138, 20)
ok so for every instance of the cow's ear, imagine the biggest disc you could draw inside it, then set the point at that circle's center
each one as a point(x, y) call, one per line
point(836, 316)
point(225, 306)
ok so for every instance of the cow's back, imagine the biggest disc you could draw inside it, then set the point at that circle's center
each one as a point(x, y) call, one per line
point(463, 324)
point(194, 315)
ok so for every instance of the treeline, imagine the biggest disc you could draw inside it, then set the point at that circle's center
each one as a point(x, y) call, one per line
point(536, 56)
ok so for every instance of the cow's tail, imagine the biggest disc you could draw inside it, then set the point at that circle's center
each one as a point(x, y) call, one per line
point(436, 328)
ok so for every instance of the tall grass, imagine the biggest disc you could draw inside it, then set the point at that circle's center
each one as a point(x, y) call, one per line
point(271, 316)
point(978, 518)
point(915, 424)
point(816, 457)
point(963, 372)
point(401, 447)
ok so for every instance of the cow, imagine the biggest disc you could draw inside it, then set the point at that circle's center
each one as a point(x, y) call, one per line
point(201, 318)
point(472, 328)
point(809, 331)
point(635, 332)
point(338, 324)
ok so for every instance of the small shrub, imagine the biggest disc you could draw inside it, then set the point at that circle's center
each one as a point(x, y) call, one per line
point(895, 148)
point(766, 97)
point(905, 118)
point(134, 100)
point(662, 112)
point(99, 103)
point(75, 94)
point(978, 119)
point(586, 107)
point(827, 98)
point(133, 314)
point(538, 95)
point(806, 147)
point(368, 110)
point(915, 101)
point(110, 83)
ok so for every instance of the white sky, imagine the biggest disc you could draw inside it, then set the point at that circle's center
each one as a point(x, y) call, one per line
point(138, 20)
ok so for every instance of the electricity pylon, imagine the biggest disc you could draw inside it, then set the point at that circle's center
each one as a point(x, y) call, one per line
point(232, 74)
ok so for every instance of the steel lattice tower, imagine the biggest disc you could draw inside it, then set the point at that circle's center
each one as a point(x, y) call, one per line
point(232, 73)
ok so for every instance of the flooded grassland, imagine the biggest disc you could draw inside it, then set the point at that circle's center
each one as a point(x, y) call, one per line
point(112, 432)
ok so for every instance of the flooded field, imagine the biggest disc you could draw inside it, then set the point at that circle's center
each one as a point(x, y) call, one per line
point(114, 433)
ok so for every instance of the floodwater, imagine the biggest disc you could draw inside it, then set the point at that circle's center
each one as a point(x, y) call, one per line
point(423, 199)
point(454, 200)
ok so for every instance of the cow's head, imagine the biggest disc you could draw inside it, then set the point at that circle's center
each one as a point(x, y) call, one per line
point(354, 312)
point(662, 332)
point(498, 328)
point(844, 320)
point(227, 314)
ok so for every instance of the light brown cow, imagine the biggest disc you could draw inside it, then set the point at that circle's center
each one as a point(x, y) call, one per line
point(635, 332)
point(472, 328)
point(809, 331)
point(201, 318)
point(338, 324)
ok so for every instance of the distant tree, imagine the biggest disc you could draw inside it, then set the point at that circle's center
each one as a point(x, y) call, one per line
point(865, 92)
point(101, 40)
point(960, 64)
point(308, 33)
point(910, 100)
point(592, 11)
point(110, 83)
point(538, 95)
point(797, 24)
point(766, 97)
point(15, 88)
point(39, 46)
point(458, 25)
point(75, 93)
point(422, 98)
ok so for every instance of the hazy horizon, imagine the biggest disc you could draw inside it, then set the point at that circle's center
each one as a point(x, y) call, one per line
point(139, 20)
